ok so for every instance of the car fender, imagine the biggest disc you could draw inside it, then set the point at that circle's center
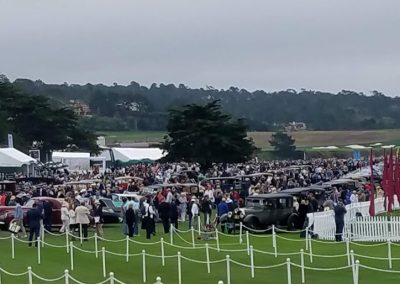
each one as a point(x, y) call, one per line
point(249, 217)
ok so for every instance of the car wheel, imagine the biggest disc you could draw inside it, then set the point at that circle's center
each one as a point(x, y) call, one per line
point(253, 224)
point(292, 222)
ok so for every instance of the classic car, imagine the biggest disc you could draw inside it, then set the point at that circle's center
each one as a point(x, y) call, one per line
point(264, 210)
point(319, 193)
point(7, 212)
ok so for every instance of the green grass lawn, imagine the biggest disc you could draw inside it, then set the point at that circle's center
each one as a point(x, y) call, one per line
point(89, 269)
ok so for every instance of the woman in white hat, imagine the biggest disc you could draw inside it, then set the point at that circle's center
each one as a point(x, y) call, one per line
point(64, 217)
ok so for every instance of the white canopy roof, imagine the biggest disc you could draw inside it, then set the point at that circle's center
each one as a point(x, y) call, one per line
point(12, 158)
point(356, 147)
point(71, 155)
point(137, 154)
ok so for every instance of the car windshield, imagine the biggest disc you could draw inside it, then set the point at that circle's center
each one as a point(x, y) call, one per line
point(253, 202)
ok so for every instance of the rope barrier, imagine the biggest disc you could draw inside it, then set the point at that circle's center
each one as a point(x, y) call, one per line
point(321, 268)
point(378, 269)
point(255, 230)
point(48, 279)
point(13, 274)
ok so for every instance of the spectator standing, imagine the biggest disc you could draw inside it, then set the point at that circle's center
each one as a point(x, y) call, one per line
point(64, 217)
point(82, 218)
point(98, 218)
point(34, 216)
point(19, 218)
point(340, 211)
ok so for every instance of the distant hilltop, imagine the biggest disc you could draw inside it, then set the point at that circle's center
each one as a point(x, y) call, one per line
point(137, 107)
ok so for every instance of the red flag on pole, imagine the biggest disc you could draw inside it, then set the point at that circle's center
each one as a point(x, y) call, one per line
point(390, 185)
point(372, 187)
point(397, 177)
point(384, 179)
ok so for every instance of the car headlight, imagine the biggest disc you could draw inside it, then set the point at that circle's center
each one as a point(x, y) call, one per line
point(229, 214)
point(241, 215)
point(3, 216)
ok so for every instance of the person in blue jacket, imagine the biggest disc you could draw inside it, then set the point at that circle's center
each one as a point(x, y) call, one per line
point(222, 209)
point(34, 216)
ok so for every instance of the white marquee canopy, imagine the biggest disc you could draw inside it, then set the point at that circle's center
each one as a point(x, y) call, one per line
point(13, 158)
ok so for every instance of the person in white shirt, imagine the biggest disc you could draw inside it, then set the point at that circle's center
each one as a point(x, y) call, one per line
point(64, 218)
point(195, 213)
point(148, 218)
point(354, 197)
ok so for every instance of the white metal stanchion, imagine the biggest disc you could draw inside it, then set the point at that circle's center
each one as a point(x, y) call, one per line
point(353, 265)
point(289, 273)
point(310, 249)
point(389, 253)
point(38, 246)
point(66, 276)
point(208, 259)
point(307, 238)
point(303, 276)
point(179, 268)
point(80, 233)
point(112, 278)
point(348, 251)
point(199, 224)
point(144, 265)
point(30, 280)
point(252, 261)
point(71, 253)
point(127, 248)
point(248, 242)
point(162, 252)
point(42, 235)
point(357, 271)
point(12, 246)
point(67, 240)
point(103, 259)
point(193, 243)
point(240, 233)
point(217, 239)
point(228, 270)
point(171, 234)
point(96, 248)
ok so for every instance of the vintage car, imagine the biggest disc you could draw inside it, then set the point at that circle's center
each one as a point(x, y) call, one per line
point(7, 212)
point(111, 212)
point(347, 183)
point(264, 210)
point(318, 192)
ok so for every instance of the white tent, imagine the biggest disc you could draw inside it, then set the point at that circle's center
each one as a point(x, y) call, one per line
point(137, 154)
point(74, 160)
point(12, 158)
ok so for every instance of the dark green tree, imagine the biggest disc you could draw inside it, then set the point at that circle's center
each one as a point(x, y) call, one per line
point(203, 134)
point(283, 144)
point(30, 118)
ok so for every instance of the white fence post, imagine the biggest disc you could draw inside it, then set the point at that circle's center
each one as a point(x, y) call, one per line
point(144, 265)
point(357, 270)
point(67, 240)
point(66, 276)
point(42, 235)
point(30, 275)
point(127, 248)
point(248, 242)
point(96, 248)
point(303, 276)
point(240, 233)
point(199, 224)
point(220, 282)
point(193, 244)
point(310, 249)
point(162, 252)
point(158, 280)
point(307, 238)
point(179, 268)
point(111, 277)
point(289, 273)
point(217, 239)
point(103, 259)
point(228, 270)
point(348, 251)
point(252, 261)
point(171, 234)
point(389, 253)
point(71, 252)
point(353, 266)
point(12, 246)
point(38, 251)
point(208, 259)
point(80, 233)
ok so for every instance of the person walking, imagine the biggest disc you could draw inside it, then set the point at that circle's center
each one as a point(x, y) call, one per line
point(222, 209)
point(340, 211)
point(148, 218)
point(48, 215)
point(72, 220)
point(98, 218)
point(163, 210)
point(173, 213)
point(82, 218)
point(206, 208)
point(194, 213)
point(34, 216)
point(19, 219)
point(64, 218)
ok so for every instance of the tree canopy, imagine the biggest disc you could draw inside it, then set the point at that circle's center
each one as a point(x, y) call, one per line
point(30, 118)
point(203, 134)
point(283, 144)
point(263, 111)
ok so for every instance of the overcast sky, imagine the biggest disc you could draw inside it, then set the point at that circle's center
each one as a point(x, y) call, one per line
point(326, 45)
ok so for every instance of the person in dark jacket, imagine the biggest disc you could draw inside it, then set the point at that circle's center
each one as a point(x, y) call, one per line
point(163, 210)
point(34, 216)
point(48, 210)
point(340, 211)
point(130, 219)
point(206, 209)
point(98, 218)
point(173, 213)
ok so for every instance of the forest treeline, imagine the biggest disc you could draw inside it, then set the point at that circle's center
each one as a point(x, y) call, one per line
point(136, 107)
